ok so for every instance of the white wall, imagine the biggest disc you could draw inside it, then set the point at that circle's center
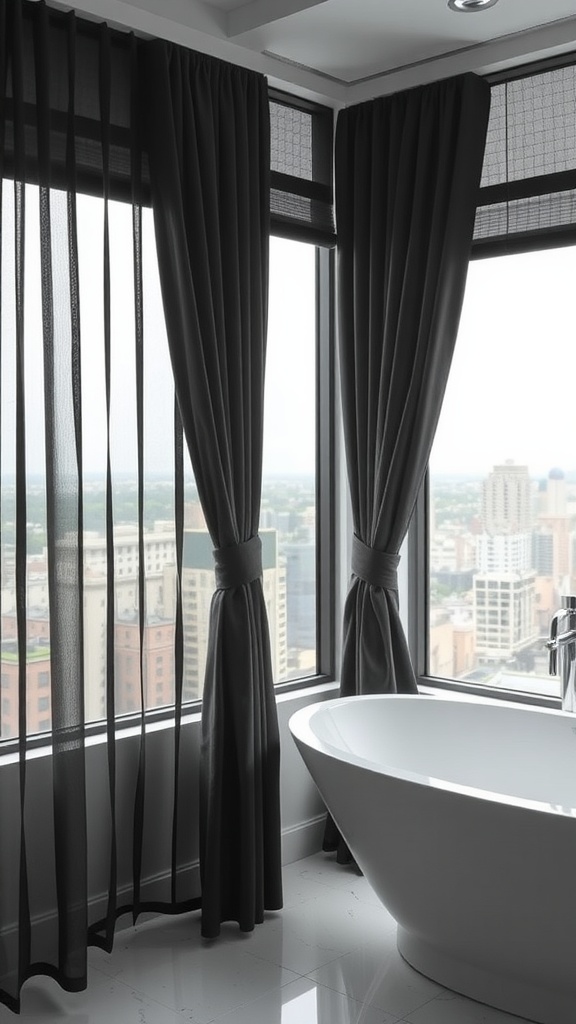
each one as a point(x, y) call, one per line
point(302, 813)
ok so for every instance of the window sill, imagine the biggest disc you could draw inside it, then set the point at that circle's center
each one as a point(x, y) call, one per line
point(163, 720)
point(430, 685)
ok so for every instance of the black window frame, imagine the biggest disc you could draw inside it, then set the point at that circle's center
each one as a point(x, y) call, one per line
point(318, 188)
point(324, 243)
point(325, 478)
point(418, 568)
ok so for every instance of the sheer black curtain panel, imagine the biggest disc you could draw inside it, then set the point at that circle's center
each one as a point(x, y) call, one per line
point(76, 819)
point(208, 140)
point(407, 173)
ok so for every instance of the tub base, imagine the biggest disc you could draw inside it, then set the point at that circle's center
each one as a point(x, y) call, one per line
point(544, 1006)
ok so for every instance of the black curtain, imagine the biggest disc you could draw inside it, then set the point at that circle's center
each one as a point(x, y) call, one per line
point(208, 141)
point(73, 822)
point(407, 173)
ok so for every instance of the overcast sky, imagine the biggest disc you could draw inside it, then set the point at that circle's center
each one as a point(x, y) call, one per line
point(511, 394)
point(290, 387)
point(512, 387)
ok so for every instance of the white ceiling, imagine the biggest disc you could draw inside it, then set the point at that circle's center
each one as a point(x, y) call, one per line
point(345, 51)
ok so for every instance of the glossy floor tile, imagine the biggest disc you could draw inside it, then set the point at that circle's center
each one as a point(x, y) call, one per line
point(375, 974)
point(329, 957)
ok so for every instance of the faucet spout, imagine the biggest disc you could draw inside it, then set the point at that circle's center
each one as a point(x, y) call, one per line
point(552, 645)
point(562, 648)
point(565, 638)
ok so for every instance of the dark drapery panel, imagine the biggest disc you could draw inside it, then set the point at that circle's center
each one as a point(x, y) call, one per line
point(208, 144)
point(407, 172)
point(73, 822)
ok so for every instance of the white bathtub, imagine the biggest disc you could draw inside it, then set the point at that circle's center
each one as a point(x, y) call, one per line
point(462, 815)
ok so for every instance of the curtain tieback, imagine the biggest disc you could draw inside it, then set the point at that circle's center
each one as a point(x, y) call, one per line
point(238, 564)
point(377, 568)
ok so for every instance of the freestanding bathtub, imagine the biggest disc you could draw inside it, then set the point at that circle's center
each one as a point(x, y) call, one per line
point(462, 815)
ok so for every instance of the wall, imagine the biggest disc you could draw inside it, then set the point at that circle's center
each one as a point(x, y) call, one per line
point(302, 813)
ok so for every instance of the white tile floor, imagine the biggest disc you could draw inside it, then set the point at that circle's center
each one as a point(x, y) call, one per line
point(329, 957)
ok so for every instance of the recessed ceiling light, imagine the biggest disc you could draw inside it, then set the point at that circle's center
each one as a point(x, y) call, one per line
point(468, 6)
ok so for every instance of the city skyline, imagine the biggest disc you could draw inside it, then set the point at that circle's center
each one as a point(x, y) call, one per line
point(288, 531)
point(502, 551)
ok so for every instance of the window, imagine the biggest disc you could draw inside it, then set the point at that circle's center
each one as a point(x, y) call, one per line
point(288, 513)
point(296, 524)
point(290, 522)
point(296, 424)
point(496, 525)
point(503, 500)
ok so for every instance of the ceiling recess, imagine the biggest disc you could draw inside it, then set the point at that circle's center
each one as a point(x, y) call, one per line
point(470, 6)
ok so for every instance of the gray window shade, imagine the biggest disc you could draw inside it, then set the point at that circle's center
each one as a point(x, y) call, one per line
point(88, 167)
point(291, 141)
point(301, 196)
point(537, 213)
point(300, 134)
point(528, 187)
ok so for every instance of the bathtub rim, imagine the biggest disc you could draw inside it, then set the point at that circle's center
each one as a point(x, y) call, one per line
point(300, 725)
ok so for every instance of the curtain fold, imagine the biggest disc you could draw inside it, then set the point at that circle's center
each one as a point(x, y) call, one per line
point(207, 126)
point(407, 173)
point(79, 819)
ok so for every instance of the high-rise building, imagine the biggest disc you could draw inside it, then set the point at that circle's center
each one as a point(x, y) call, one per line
point(159, 553)
point(504, 587)
point(95, 626)
point(159, 549)
point(556, 498)
point(152, 670)
point(300, 559)
point(38, 699)
point(554, 530)
point(507, 500)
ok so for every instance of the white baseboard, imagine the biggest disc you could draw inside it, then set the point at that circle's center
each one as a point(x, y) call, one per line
point(298, 841)
point(303, 839)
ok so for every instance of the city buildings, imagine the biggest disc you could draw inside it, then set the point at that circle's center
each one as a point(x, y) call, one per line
point(501, 555)
point(300, 560)
point(504, 586)
point(141, 661)
point(38, 704)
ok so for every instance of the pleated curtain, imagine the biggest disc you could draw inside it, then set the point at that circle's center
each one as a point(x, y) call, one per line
point(85, 837)
point(407, 171)
point(208, 141)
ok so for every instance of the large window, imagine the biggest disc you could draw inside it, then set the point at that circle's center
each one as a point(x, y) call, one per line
point(289, 519)
point(493, 542)
point(502, 479)
point(144, 653)
point(97, 496)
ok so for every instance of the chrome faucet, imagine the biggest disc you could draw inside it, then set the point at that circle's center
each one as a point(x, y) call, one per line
point(562, 648)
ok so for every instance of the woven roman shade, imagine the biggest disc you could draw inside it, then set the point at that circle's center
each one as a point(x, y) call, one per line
point(85, 67)
point(528, 187)
point(301, 194)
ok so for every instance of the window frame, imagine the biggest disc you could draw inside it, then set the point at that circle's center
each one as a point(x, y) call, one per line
point(528, 241)
point(324, 242)
point(418, 619)
point(418, 573)
point(325, 478)
point(325, 498)
point(418, 536)
point(418, 568)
